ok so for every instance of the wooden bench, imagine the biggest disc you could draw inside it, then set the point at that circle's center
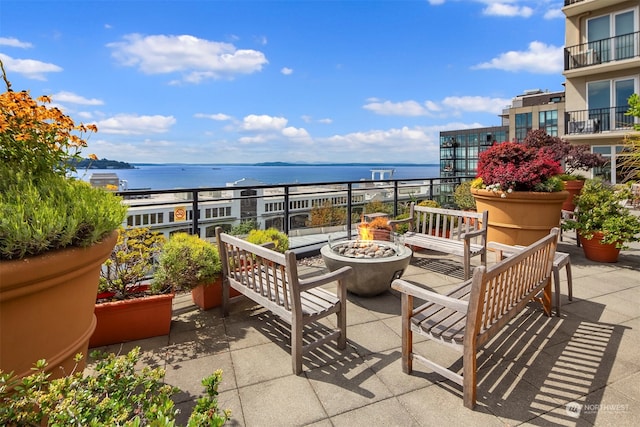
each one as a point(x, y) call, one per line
point(271, 279)
point(476, 310)
point(461, 233)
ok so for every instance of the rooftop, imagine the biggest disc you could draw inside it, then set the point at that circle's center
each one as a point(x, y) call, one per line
point(527, 375)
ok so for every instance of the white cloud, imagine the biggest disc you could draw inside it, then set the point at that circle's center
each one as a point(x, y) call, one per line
point(14, 42)
point(286, 71)
point(504, 9)
point(295, 133)
point(554, 14)
point(72, 98)
point(436, 2)
point(326, 121)
point(196, 59)
point(127, 124)
point(481, 104)
point(263, 122)
point(447, 107)
point(540, 58)
point(217, 117)
point(403, 108)
point(29, 68)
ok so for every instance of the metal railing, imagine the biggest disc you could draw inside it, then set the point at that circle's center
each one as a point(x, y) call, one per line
point(602, 51)
point(570, 2)
point(597, 120)
point(285, 206)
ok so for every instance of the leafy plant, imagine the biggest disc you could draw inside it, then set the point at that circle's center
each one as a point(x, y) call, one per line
point(131, 261)
point(279, 239)
point(244, 227)
point(327, 215)
point(41, 208)
point(429, 203)
point(378, 223)
point(575, 157)
point(629, 159)
point(510, 166)
point(113, 394)
point(185, 262)
point(598, 209)
point(463, 197)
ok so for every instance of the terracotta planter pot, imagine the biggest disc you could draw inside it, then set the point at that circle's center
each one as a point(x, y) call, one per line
point(522, 217)
point(46, 307)
point(573, 187)
point(375, 233)
point(595, 250)
point(210, 295)
point(132, 319)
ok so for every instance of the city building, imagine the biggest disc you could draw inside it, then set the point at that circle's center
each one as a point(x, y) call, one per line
point(601, 70)
point(534, 109)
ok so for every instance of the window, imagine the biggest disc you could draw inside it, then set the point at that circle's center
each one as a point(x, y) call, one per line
point(611, 153)
point(607, 102)
point(548, 121)
point(523, 125)
point(611, 37)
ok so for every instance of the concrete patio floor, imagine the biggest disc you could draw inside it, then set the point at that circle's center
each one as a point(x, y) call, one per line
point(528, 375)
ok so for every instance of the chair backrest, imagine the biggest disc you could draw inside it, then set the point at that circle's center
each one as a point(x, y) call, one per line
point(260, 270)
point(499, 292)
point(448, 223)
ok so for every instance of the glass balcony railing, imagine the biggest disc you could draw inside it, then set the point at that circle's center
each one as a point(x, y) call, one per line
point(296, 209)
point(617, 48)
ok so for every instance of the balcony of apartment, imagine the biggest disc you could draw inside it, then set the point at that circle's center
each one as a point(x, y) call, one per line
point(610, 54)
point(578, 7)
point(540, 371)
point(598, 121)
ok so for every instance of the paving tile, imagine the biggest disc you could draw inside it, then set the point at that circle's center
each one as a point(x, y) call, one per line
point(346, 386)
point(285, 401)
point(388, 413)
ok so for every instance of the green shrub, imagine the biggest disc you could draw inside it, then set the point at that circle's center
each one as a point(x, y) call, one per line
point(463, 197)
point(113, 394)
point(131, 261)
point(185, 262)
point(244, 227)
point(279, 239)
point(54, 214)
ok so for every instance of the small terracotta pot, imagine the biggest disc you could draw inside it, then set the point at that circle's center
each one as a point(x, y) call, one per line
point(573, 187)
point(595, 250)
point(210, 295)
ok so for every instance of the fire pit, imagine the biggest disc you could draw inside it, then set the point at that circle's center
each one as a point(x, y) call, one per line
point(375, 263)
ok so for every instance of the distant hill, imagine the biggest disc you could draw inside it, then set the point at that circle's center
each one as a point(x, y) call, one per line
point(102, 164)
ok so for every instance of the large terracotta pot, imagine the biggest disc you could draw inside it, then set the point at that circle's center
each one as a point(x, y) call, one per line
point(210, 295)
point(46, 307)
point(522, 217)
point(573, 187)
point(595, 250)
point(132, 319)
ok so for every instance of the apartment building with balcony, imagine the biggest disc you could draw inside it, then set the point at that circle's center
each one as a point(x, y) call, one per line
point(533, 109)
point(601, 70)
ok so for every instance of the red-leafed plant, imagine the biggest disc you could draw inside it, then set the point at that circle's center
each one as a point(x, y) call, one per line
point(511, 166)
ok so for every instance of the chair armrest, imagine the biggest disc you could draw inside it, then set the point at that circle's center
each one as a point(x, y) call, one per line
point(474, 233)
point(405, 287)
point(394, 222)
point(325, 278)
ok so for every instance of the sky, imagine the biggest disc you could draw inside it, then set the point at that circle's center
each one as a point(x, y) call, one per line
point(291, 81)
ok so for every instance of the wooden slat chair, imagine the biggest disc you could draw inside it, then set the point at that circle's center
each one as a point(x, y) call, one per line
point(475, 311)
point(271, 279)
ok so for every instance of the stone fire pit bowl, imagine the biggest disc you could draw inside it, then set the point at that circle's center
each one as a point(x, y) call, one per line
point(371, 276)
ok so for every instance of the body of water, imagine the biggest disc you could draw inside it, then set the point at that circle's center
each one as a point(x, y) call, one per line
point(163, 177)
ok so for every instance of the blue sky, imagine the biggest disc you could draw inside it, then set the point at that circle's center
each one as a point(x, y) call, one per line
point(299, 81)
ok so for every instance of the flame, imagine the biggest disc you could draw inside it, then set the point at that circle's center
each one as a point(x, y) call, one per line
point(365, 232)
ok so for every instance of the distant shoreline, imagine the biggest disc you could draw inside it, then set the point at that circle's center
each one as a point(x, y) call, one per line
point(280, 164)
